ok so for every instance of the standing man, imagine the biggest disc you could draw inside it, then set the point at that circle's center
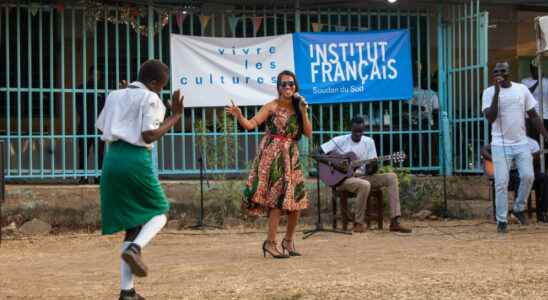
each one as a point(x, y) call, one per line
point(532, 84)
point(132, 199)
point(505, 105)
point(366, 178)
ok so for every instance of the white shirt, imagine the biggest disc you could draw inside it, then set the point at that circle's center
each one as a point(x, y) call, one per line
point(129, 112)
point(364, 149)
point(428, 99)
point(529, 82)
point(509, 127)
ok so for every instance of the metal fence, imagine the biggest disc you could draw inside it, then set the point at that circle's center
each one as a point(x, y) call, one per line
point(467, 76)
point(49, 101)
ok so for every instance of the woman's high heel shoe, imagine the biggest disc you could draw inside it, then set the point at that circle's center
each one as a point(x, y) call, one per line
point(274, 254)
point(285, 246)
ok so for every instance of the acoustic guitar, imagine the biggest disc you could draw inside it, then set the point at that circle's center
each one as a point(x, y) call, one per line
point(334, 168)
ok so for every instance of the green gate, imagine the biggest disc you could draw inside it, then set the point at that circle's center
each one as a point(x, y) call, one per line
point(464, 58)
point(47, 51)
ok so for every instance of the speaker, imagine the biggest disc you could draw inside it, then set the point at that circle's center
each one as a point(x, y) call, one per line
point(541, 26)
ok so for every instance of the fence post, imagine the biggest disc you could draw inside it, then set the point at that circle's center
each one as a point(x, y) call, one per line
point(2, 183)
point(150, 50)
point(304, 144)
point(445, 134)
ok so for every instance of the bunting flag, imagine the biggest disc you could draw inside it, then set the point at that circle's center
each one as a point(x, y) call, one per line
point(258, 22)
point(232, 22)
point(204, 20)
point(60, 7)
point(165, 20)
point(134, 12)
point(317, 27)
point(33, 10)
point(180, 18)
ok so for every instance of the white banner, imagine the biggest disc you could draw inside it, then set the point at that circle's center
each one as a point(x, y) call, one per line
point(212, 71)
point(542, 34)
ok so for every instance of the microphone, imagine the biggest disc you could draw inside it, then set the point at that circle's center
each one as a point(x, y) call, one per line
point(499, 79)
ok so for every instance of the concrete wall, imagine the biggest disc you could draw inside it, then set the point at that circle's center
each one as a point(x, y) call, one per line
point(78, 206)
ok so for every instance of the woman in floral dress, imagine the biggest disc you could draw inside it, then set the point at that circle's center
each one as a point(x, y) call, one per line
point(275, 185)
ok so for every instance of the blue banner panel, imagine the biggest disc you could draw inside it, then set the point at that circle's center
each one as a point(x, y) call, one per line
point(353, 66)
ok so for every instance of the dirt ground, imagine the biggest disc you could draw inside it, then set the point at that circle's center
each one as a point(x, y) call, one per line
point(439, 260)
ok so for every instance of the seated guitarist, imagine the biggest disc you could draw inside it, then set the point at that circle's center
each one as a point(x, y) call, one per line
point(365, 177)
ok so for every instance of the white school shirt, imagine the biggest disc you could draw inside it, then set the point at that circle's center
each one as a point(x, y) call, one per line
point(129, 112)
point(529, 82)
point(509, 127)
point(364, 149)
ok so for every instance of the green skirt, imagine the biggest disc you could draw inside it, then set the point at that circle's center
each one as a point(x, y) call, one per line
point(131, 193)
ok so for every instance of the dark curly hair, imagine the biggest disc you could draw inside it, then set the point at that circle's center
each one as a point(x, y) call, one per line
point(295, 101)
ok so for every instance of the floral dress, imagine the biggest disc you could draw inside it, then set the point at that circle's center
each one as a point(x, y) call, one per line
point(276, 177)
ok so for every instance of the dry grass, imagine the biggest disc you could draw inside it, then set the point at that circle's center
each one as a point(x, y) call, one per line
point(440, 260)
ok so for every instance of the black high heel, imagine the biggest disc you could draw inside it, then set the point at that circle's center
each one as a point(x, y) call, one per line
point(130, 295)
point(274, 255)
point(290, 252)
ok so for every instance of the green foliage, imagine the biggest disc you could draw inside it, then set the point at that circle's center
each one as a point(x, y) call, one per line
point(403, 174)
point(416, 194)
point(224, 200)
point(224, 196)
point(438, 208)
point(220, 149)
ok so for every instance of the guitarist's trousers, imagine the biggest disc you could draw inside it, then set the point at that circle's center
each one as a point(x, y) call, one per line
point(361, 186)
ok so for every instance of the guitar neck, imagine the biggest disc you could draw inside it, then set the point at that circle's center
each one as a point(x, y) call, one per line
point(358, 163)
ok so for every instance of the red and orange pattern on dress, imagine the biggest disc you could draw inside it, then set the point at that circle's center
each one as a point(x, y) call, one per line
point(276, 177)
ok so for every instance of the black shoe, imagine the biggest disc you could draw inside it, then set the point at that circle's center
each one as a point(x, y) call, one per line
point(132, 256)
point(397, 227)
point(502, 227)
point(521, 217)
point(130, 295)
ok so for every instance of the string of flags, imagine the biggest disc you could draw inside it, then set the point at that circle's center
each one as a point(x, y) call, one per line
point(234, 20)
point(131, 15)
point(35, 7)
point(318, 27)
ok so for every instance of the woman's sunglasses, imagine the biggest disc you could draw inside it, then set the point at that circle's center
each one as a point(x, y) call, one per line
point(287, 83)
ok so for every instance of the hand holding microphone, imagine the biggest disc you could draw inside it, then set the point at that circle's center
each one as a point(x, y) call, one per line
point(302, 102)
point(498, 82)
